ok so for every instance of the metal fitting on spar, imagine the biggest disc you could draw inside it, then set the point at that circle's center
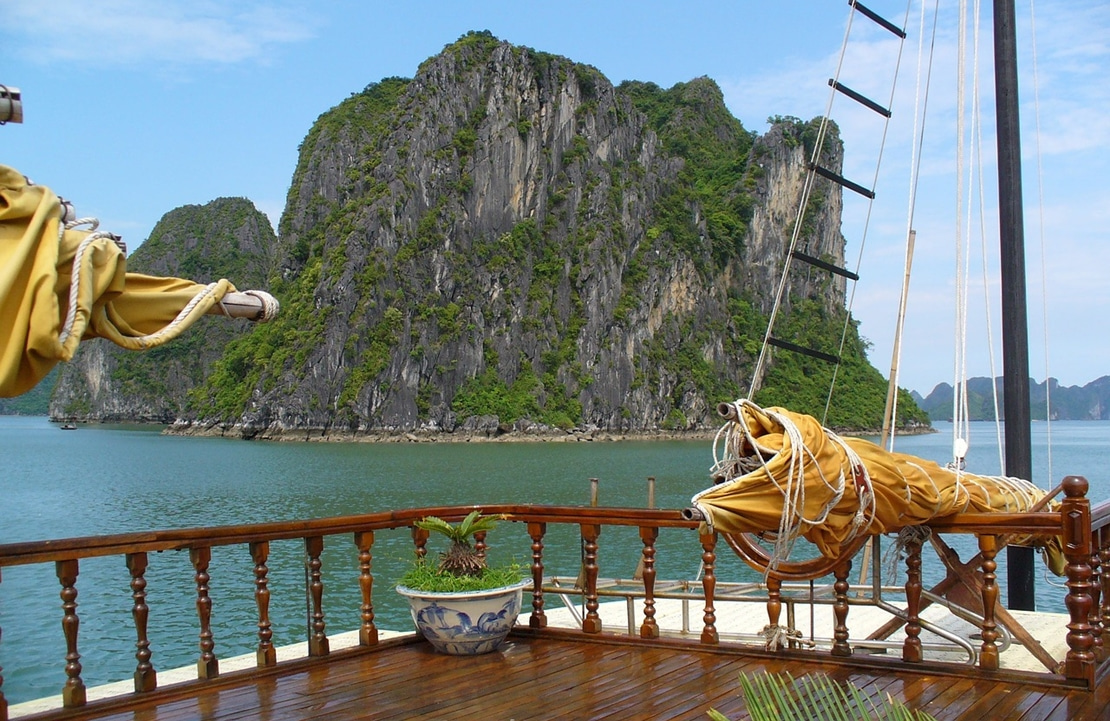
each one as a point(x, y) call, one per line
point(11, 105)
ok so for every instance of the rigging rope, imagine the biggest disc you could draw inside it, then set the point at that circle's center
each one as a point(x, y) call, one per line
point(783, 475)
point(807, 190)
point(920, 108)
point(1040, 232)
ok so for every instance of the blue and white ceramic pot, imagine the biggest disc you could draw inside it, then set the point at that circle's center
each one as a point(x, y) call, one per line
point(465, 623)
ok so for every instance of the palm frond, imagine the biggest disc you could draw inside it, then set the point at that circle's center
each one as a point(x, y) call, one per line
point(781, 697)
point(475, 522)
point(435, 524)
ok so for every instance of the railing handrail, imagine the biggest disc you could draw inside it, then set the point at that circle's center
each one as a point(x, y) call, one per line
point(26, 552)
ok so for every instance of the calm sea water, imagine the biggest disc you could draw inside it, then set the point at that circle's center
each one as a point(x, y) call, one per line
point(113, 479)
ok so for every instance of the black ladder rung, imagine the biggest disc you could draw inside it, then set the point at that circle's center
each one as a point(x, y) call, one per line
point(878, 19)
point(787, 345)
point(841, 180)
point(866, 102)
point(822, 264)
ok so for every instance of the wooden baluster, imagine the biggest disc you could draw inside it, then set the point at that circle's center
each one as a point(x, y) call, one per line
point(709, 586)
point(480, 546)
point(146, 679)
point(265, 654)
point(208, 666)
point(367, 632)
point(840, 609)
point(3, 701)
point(649, 628)
point(592, 622)
point(1104, 584)
point(318, 640)
point(1075, 510)
point(73, 693)
point(911, 648)
point(774, 607)
point(420, 540)
point(988, 654)
point(1095, 619)
point(537, 530)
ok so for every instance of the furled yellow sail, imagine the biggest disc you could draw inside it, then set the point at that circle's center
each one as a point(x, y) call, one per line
point(782, 472)
point(59, 286)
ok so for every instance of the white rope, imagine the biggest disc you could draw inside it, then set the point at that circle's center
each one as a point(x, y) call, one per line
point(729, 466)
point(153, 339)
point(1040, 234)
point(896, 553)
point(75, 277)
point(851, 300)
point(803, 202)
point(733, 464)
point(776, 637)
point(959, 357)
point(917, 139)
point(269, 304)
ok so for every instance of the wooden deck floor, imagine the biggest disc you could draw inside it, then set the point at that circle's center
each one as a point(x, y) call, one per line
point(545, 678)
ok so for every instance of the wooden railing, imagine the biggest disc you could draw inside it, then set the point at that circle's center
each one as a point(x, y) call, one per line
point(1085, 534)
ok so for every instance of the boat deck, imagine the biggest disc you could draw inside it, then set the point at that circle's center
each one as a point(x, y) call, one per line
point(555, 675)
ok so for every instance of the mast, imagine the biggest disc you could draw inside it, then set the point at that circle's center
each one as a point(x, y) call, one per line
point(1015, 331)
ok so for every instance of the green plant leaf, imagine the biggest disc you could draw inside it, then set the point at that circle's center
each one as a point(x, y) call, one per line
point(779, 697)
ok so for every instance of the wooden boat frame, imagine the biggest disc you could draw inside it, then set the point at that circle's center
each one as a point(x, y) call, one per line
point(1085, 533)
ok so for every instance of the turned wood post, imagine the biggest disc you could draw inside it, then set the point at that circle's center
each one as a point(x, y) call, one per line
point(840, 609)
point(988, 653)
point(420, 541)
point(592, 622)
point(265, 654)
point(709, 586)
point(208, 666)
point(317, 640)
point(1095, 619)
point(146, 678)
point(1075, 510)
point(480, 546)
point(911, 647)
point(649, 628)
point(774, 600)
point(1104, 584)
point(367, 632)
point(537, 530)
point(73, 693)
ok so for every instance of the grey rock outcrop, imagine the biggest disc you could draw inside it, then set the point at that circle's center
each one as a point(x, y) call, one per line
point(509, 234)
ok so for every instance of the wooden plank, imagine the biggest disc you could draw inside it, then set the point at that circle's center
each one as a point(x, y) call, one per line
point(542, 678)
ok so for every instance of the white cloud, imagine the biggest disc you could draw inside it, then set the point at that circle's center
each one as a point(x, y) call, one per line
point(170, 32)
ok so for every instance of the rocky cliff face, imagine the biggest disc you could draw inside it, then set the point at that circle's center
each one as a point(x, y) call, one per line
point(227, 238)
point(509, 238)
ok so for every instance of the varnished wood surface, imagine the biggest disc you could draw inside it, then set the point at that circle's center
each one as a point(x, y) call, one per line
point(542, 678)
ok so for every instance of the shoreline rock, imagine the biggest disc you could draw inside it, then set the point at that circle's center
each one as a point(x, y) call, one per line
point(522, 432)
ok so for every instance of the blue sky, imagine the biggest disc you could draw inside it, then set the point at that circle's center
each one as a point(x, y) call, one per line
point(134, 108)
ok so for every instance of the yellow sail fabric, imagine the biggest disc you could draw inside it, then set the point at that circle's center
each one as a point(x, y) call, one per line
point(783, 472)
point(58, 287)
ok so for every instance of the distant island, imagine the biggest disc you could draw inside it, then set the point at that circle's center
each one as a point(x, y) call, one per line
point(1090, 402)
point(35, 402)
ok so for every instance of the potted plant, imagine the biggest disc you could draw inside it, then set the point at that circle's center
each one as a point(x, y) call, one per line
point(461, 605)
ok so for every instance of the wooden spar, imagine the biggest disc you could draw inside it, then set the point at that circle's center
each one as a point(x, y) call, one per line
point(892, 385)
point(1015, 331)
point(253, 305)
